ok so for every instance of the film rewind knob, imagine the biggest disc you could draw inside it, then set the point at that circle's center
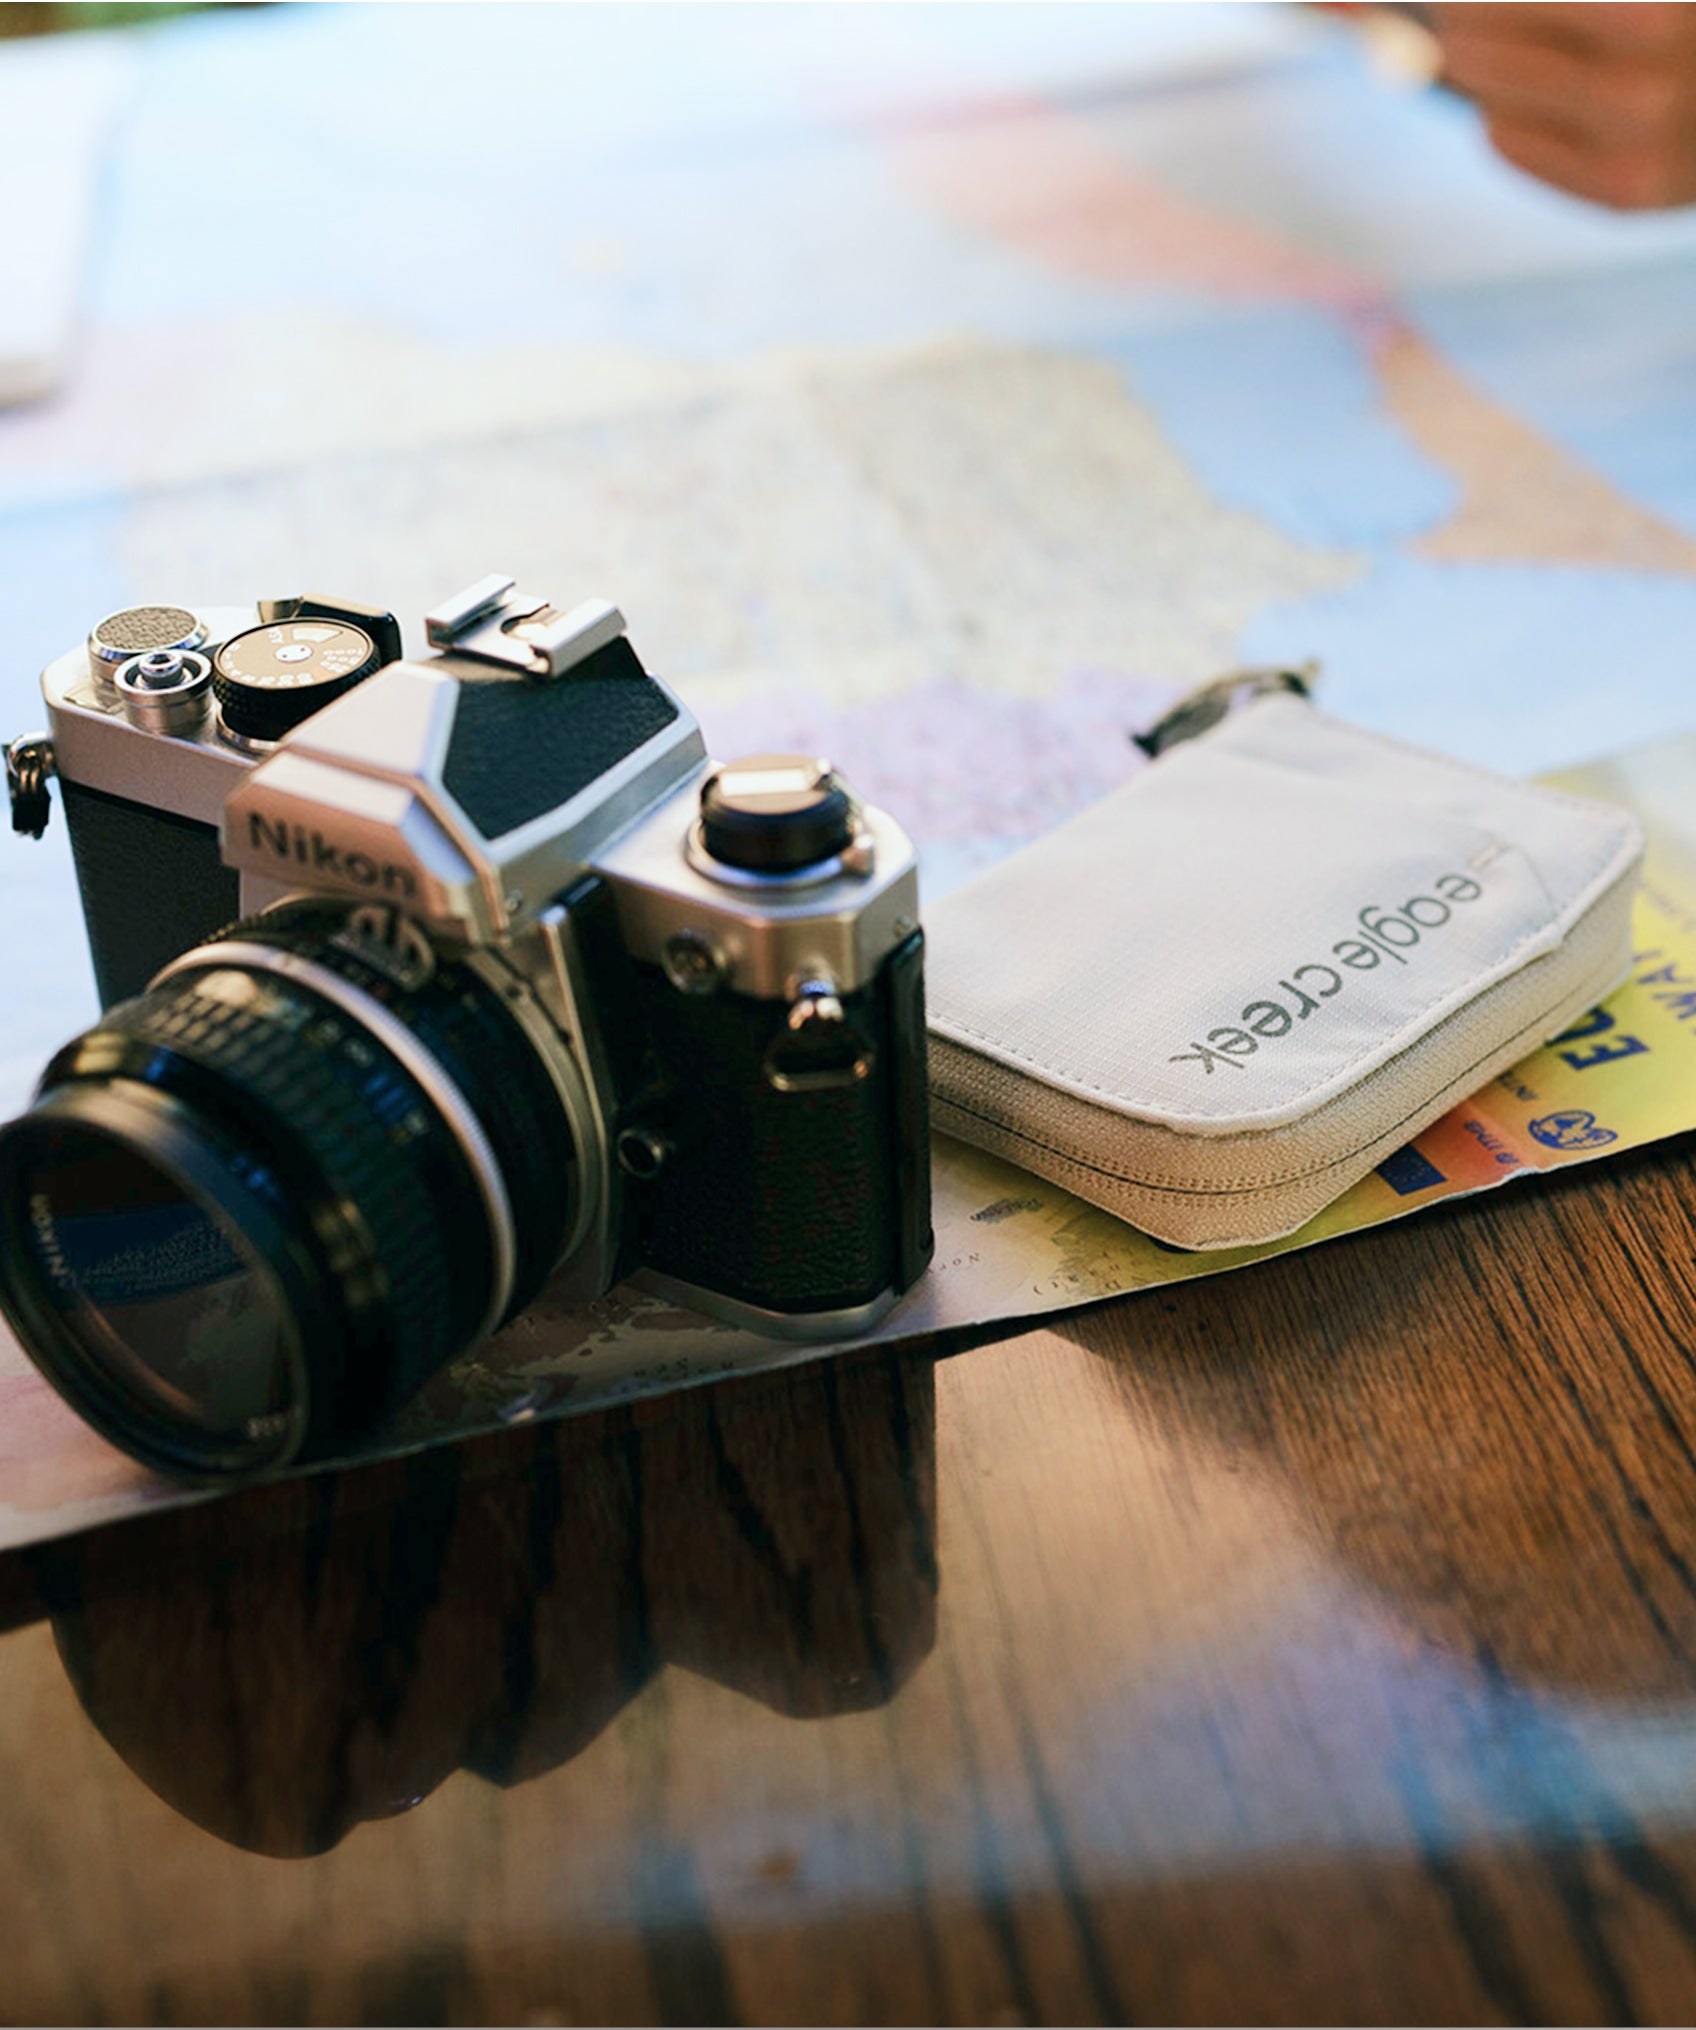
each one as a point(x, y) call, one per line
point(776, 813)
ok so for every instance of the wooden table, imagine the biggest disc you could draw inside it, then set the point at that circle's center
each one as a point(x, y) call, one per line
point(1311, 1643)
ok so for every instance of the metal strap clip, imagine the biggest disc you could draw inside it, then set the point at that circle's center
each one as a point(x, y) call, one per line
point(29, 767)
point(1202, 709)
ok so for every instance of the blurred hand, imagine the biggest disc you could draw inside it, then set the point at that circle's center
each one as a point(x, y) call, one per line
point(1598, 100)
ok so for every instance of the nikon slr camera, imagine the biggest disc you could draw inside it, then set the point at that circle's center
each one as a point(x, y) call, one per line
point(521, 982)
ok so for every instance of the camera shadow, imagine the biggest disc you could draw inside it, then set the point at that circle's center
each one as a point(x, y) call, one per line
point(289, 1661)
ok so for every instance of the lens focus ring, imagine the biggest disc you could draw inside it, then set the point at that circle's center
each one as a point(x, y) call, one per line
point(478, 1048)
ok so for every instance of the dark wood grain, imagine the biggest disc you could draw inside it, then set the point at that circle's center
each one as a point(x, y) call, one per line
point(1316, 1643)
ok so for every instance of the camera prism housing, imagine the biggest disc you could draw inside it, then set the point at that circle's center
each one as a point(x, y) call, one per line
point(523, 985)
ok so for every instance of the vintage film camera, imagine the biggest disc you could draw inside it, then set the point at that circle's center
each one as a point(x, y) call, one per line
point(523, 983)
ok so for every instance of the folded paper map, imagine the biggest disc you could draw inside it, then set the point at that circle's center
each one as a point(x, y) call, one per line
point(1009, 1245)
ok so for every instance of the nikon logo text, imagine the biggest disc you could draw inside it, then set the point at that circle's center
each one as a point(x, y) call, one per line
point(308, 848)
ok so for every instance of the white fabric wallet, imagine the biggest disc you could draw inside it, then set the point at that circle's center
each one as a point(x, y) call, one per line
point(1229, 989)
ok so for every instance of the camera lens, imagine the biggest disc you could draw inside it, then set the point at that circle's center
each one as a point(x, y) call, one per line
point(147, 1287)
point(251, 1212)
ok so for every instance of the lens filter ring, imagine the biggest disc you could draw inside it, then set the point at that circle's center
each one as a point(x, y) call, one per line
point(364, 1178)
point(87, 1163)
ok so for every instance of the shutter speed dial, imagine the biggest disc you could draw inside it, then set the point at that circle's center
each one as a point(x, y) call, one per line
point(270, 679)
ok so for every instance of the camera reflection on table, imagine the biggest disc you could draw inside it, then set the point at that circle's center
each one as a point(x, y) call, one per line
point(286, 1663)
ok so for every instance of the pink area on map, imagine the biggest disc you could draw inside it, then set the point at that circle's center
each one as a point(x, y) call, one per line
point(936, 754)
point(1034, 177)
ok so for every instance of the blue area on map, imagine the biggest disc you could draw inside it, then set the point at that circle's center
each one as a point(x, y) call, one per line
point(698, 207)
point(1407, 1172)
point(1605, 364)
point(63, 570)
point(1520, 667)
point(1279, 414)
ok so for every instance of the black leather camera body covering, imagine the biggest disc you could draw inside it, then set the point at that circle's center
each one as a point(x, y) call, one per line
point(152, 884)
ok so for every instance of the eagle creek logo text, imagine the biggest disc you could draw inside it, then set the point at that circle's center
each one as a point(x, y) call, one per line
point(311, 850)
point(1385, 937)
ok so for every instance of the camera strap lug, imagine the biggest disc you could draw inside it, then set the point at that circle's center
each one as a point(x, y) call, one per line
point(29, 768)
point(819, 1048)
